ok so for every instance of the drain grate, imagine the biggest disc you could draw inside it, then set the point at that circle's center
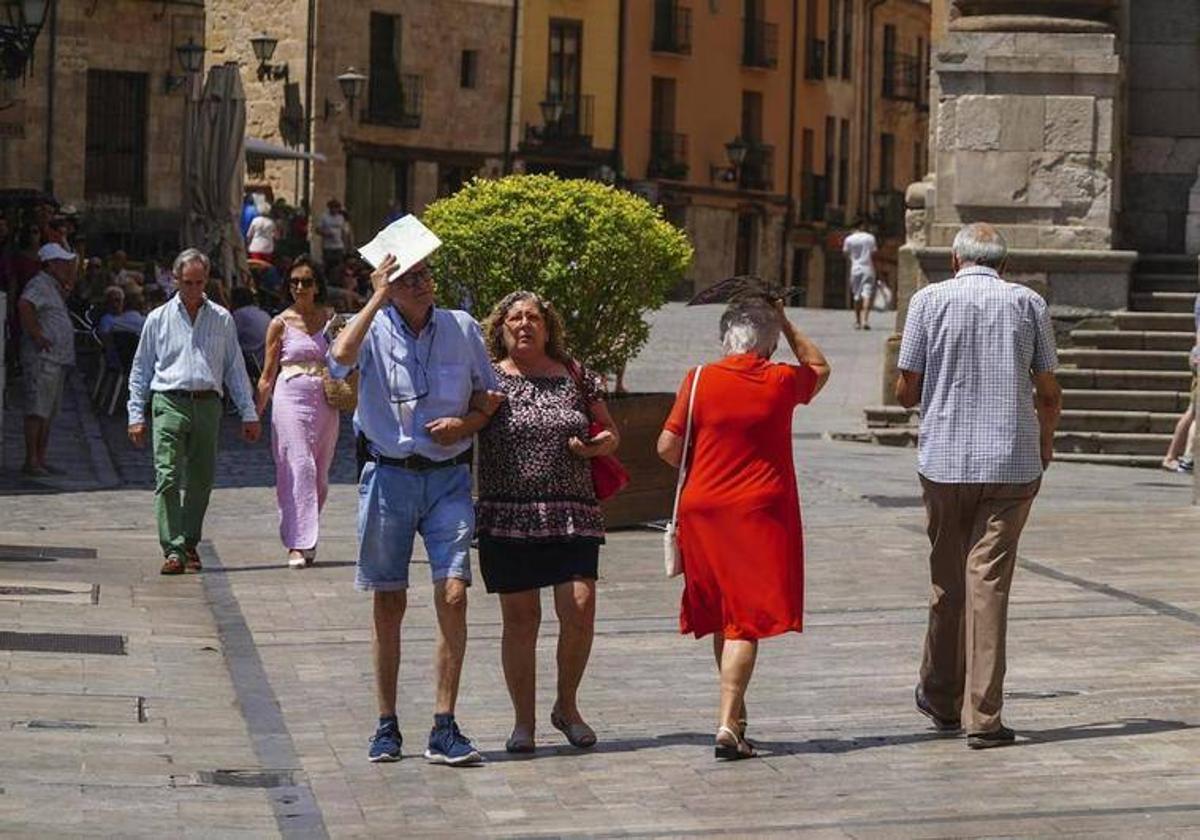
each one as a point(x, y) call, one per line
point(62, 643)
point(247, 778)
point(26, 558)
point(70, 725)
point(1040, 695)
point(33, 590)
point(46, 552)
point(896, 501)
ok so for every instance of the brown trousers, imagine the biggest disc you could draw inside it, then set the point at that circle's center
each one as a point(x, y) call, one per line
point(973, 530)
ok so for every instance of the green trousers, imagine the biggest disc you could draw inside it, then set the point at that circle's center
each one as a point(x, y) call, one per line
point(185, 432)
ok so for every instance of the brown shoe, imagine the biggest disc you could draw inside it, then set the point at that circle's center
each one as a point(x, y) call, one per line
point(193, 560)
point(173, 566)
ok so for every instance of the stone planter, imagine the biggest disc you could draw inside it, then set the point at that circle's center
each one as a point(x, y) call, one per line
point(651, 489)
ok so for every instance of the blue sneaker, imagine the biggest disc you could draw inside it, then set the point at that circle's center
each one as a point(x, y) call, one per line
point(385, 743)
point(447, 745)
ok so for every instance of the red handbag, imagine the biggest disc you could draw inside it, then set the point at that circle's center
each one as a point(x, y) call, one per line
point(609, 475)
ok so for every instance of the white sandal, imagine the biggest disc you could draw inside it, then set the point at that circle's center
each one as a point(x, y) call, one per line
point(732, 747)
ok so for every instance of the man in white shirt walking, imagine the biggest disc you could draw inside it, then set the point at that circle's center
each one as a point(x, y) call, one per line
point(332, 228)
point(187, 356)
point(860, 247)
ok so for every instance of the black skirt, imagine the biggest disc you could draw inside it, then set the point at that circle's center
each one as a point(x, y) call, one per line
point(519, 565)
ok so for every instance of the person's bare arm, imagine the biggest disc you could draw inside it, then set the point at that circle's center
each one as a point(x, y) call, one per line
point(266, 381)
point(803, 348)
point(349, 340)
point(29, 323)
point(1048, 403)
point(605, 442)
point(908, 388)
point(670, 447)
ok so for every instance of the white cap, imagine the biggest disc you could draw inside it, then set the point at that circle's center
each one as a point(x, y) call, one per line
point(54, 251)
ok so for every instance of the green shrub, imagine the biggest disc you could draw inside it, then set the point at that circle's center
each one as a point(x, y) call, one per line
point(602, 255)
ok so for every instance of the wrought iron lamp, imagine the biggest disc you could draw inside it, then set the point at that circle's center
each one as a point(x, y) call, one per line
point(20, 23)
point(264, 48)
point(735, 150)
point(191, 59)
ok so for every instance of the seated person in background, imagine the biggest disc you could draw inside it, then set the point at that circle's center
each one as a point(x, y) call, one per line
point(122, 274)
point(154, 298)
point(251, 321)
point(118, 317)
point(342, 292)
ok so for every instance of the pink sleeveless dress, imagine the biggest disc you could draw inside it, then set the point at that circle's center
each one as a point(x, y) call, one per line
point(304, 436)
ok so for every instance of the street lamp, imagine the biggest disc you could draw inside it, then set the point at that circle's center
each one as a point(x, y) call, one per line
point(264, 48)
point(191, 59)
point(20, 23)
point(736, 150)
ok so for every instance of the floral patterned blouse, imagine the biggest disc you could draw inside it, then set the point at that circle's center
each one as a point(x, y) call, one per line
point(531, 486)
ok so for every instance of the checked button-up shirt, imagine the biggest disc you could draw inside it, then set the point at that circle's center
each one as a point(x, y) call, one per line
point(977, 340)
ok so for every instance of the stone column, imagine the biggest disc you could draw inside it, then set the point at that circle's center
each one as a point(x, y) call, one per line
point(1027, 137)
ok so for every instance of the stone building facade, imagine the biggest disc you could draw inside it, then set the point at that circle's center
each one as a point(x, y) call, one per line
point(115, 141)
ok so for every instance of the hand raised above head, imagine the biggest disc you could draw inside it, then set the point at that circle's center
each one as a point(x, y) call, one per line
point(381, 276)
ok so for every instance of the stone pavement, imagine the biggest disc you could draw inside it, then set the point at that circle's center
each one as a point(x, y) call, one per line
point(252, 667)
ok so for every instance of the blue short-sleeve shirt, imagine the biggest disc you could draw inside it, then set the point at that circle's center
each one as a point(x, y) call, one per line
point(408, 380)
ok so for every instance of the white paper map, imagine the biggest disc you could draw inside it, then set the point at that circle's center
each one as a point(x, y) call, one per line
point(406, 239)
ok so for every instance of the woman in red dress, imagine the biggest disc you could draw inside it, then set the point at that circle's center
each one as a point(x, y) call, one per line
point(738, 524)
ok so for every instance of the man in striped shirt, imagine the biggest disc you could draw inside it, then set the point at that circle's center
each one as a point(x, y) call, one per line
point(978, 354)
point(188, 354)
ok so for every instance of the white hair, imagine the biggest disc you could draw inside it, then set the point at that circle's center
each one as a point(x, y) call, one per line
point(749, 328)
point(187, 257)
point(980, 244)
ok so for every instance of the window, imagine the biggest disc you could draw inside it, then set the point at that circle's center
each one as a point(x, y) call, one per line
point(830, 156)
point(814, 50)
point(375, 189)
point(115, 162)
point(668, 150)
point(889, 61)
point(468, 71)
point(383, 82)
point(887, 161)
point(563, 74)
point(812, 186)
point(452, 178)
point(752, 113)
point(847, 38)
point(843, 190)
point(747, 240)
point(832, 39)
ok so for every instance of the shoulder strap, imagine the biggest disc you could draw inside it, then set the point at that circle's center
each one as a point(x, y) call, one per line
point(687, 439)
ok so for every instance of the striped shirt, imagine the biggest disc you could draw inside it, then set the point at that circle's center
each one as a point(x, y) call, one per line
point(976, 339)
point(177, 354)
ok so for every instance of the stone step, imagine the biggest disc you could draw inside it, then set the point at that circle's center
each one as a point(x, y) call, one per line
point(1112, 443)
point(1133, 380)
point(1155, 321)
point(886, 416)
point(1167, 402)
point(1129, 360)
point(1163, 301)
point(1154, 282)
point(1142, 422)
point(1133, 340)
point(1110, 460)
point(1166, 264)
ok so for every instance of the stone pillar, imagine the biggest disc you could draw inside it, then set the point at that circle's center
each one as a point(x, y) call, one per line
point(1027, 137)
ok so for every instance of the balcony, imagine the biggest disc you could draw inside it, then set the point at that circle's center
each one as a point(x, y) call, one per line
point(760, 44)
point(757, 172)
point(570, 129)
point(668, 156)
point(814, 65)
point(672, 29)
point(902, 77)
point(398, 104)
point(814, 196)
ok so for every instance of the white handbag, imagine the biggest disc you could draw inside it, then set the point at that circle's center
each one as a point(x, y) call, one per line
point(672, 558)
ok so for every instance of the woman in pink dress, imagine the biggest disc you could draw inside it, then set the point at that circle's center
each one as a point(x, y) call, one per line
point(304, 427)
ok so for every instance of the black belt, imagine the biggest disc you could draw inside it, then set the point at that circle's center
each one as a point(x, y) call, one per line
point(419, 462)
point(192, 395)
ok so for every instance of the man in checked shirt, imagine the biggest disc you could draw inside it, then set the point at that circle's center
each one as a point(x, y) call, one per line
point(978, 355)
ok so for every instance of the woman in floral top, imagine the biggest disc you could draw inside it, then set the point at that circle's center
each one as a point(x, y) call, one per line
point(538, 520)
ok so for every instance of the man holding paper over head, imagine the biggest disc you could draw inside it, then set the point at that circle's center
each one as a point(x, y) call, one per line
point(419, 368)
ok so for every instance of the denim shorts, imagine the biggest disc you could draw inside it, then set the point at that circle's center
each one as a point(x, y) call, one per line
point(394, 505)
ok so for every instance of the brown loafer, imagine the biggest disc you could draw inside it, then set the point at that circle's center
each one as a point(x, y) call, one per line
point(173, 566)
point(193, 560)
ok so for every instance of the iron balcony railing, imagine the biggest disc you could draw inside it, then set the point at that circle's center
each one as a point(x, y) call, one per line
point(668, 156)
point(901, 77)
point(760, 43)
point(672, 28)
point(401, 107)
point(573, 128)
point(757, 172)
